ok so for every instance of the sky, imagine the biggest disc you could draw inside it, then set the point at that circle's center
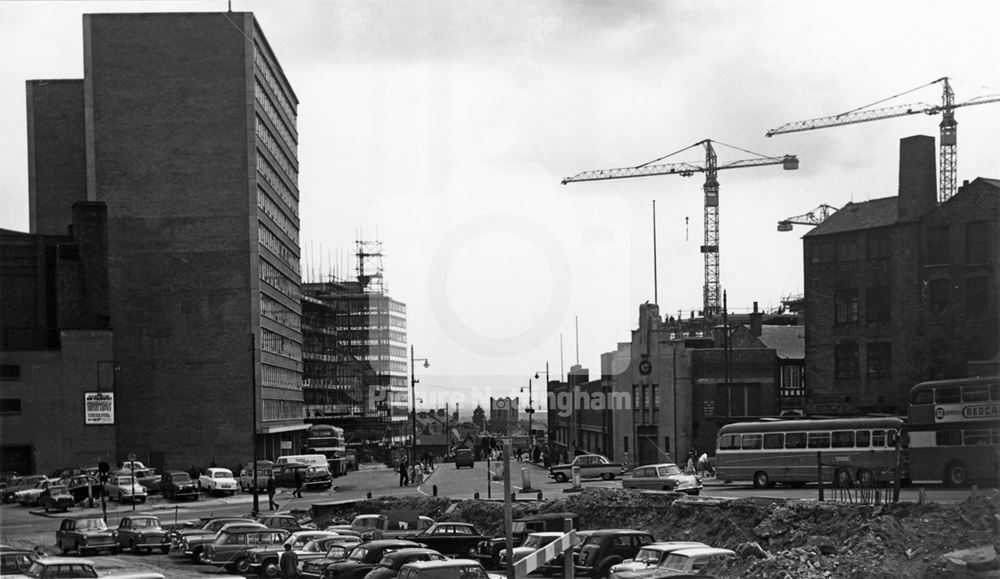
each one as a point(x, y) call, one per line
point(442, 129)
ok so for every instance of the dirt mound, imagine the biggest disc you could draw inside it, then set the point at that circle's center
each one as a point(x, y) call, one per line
point(773, 537)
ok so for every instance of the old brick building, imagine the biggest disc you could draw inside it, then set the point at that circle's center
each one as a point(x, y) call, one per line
point(184, 127)
point(901, 289)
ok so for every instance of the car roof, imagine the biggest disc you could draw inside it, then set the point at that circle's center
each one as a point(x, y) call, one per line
point(548, 534)
point(63, 561)
point(439, 564)
point(673, 545)
point(698, 551)
point(603, 532)
point(400, 553)
point(389, 543)
point(657, 465)
point(548, 516)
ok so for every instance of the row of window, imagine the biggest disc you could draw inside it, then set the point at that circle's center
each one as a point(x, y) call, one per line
point(270, 208)
point(938, 293)
point(957, 394)
point(847, 306)
point(270, 241)
point(799, 440)
point(271, 144)
point(976, 243)
point(971, 437)
point(268, 107)
point(275, 343)
point(264, 67)
point(878, 245)
point(878, 359)
point(272, 178)
point(275, 278)
point(277, 377)
point(279, 312)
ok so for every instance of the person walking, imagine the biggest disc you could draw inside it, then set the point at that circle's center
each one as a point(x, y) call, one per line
point(418, 474)
point(298, 483)
point(272, 488)
point(404, 478)
point(289, 563)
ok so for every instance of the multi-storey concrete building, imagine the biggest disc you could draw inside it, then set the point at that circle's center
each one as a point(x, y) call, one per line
point(901, 289)
point(184, 126)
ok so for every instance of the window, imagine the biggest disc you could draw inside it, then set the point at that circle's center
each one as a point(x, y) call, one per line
point(845, 306)
point(878, 245)
point(879, 360)
point(922, 397)
point(738, 400)
point(846, 360)
point(791, 381)
point(948, 395)
point(862, 438)
point(795, 440)
point(948, 437)
point(847, 250)
point(729, 442)
point(937, 294)
point(773, 440)
point(10, 372)
point(819, 440)
point(879, 438)
point(877, 304)
point(842, 439)
point(751, 441)
point(975, 296)
point(937, 245)
point(10, 405)
point(976, 393)
point(975, 242)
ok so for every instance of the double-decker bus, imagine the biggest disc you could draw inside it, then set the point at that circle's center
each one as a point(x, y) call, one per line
point(953, 431)
point(328, 440)
point(860, 449)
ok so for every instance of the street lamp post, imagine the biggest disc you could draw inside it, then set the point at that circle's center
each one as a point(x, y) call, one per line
point(413, 403)
point(530, 411)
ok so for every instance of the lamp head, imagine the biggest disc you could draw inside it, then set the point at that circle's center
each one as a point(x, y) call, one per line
point(427, 364)
point(536, 375)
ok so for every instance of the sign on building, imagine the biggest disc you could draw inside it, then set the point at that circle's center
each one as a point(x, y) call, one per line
point(99, 407)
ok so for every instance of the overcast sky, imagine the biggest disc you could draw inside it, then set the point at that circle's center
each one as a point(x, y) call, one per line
point(443, 129)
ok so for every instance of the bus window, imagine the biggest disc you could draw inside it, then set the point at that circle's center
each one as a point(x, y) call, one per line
point(774, 440)
point(975, 437)
point(842, 439)
point(948, 438)
point(795, 440)
point(729, 442)
point(819, 440)
point(862, 438)
point(980, 393)
point(893, 436)
point(751, 441)
point(995, 392)
point(922, 397)
point(949, 395)
point(878, 438)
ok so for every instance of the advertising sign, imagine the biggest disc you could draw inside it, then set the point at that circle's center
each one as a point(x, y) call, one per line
point(99, 407)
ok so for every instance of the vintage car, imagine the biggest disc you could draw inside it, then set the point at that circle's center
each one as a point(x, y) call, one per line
point(447, 569)
point(361, 560)
point(488, 550)
point(15, 562)
point(534, 542)
point(693, 560)
point(451, 538)
point(142, 533)
point(145, 476)
point(264, 560)
point(231, 549)
point(85, 534)
point(30, 497)
point(45, 567)
point(666, 476)
point(324, 548)
point(191, 542)
point(465, 457)
point(264, 474)
point(175, 484)
point(608, 547)
point(56, 498)
point(21, 484)
point(390, 565)
point(648, 558)
point(388, 525)
point(287, 522)
point(309, 477)
point(83, 487)
point(218, 481)
point(590, 465)
point(125, 489)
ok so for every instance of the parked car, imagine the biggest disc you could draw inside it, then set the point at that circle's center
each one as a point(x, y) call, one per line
point(390, 525)
point(322, 548)
point(192, 543)
point(453, 539)
point(142, 533)
point(648, 558)
point(693, 560)
point(666, 476)
point(130, 465)
point(231, 549)
point(264, 560)
point(20, 484)
point(608, 547)
point(7, 477)
point(465, 457)
point(56, 498)
point(313, 567)
point(534, 542)
point(390, 564)
point(85, 534)
point(557, 565)
point(84, 486)
point(46, 567)
point(310, 477)
point(30, 497)
point(146, 476)
point(218, 481)
point(488, 551)
point(286, 522)
point(124, 488)
point(265, 470)
point(591, 466)
point(447, 569)
point(67, 472)
point(15, 561)
point(361, 560)
point(175, 484)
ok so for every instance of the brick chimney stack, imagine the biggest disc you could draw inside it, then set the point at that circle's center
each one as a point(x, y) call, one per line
point(917, 177)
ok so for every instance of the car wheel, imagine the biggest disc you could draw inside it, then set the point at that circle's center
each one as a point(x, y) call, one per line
point(270, 569)
point(64, 549)
point(242, 565)
point(198, 556)
point(561, 477)
point(761, 480)
point(165, 549)
point(842, 478)
point(608, 476)
point(46, 507)
point(866, 478)
point(133, 547)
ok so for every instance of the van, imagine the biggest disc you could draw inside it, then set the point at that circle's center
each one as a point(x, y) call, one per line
point(310, 459)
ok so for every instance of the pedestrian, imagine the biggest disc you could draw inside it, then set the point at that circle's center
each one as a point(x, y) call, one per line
point(690, 463)
point(404, 478)
point(298, 483)
point(272, 487)
point(418, 474)
point(703, 465)
point(289, 563)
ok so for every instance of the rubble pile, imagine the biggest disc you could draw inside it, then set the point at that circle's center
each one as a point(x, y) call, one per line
point(773, 537)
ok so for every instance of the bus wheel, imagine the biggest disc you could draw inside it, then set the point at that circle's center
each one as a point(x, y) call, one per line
point(842, 478)
point(866, 478)
point(761, 480)
point(955, 474)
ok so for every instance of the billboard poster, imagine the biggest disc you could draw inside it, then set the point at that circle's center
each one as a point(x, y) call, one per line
point(99, 407)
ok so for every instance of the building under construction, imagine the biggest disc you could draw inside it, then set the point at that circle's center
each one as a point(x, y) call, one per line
point(354, 356)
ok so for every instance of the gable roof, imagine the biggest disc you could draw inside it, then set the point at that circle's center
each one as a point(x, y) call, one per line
point(857, 216)
point(788, 342)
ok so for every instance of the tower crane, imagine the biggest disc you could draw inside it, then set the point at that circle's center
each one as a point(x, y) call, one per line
point(949, 126)
point(814, 217)
point(711, 291)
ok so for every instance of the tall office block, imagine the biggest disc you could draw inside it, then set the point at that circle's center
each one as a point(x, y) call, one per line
point(190, 136)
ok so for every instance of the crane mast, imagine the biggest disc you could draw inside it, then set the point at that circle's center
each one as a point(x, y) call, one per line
point(948, 142)
point(711, 291)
